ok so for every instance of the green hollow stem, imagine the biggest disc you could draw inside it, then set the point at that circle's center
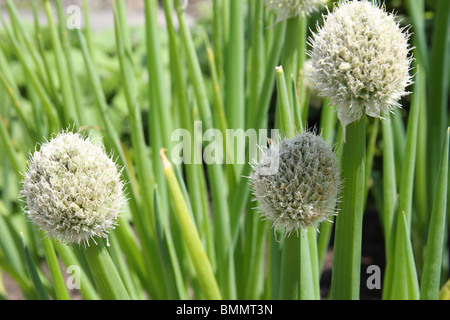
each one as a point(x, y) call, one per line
point(234, 67)
point(437, 111)
point(433, 255)
point(106, 277)
point(347, 248)
point(290, 269)
point(289, 55)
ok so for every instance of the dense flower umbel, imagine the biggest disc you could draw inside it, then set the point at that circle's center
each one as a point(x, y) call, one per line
point(360, 60)
point(285, 9)
point(73, 189)
point(303, 191)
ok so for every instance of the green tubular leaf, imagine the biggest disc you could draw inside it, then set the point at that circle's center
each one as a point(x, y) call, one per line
point(345, 279)
point(155, 68)
point(190, 235)
point(399, 248)
point(407, 178)
point(255, 61)
point(431, 274)
point(404, 282)
point(289, 55)
point(234, 67)
point(195, 71)
point(286, 122)
point(55, 271)
point(34, 275)
point(437, 111)
point(328, 122)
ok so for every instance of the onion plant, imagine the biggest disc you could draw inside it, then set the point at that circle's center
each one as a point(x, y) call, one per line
point(234, 157)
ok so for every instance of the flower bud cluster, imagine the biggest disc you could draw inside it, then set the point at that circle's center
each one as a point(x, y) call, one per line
point(360, 59)
point(303, 191)
point(72, 189)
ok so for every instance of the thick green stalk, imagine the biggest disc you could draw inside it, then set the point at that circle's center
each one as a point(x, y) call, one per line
point(310, 272)
point(431, 274)
point(290, 268)
point(345, 279)
point(106, 277)
point(68, 257)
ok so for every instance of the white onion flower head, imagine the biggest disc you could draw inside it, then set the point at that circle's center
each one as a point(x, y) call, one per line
point(72, 189)
point(285, 9)
point(360, 59)
point(303, 191)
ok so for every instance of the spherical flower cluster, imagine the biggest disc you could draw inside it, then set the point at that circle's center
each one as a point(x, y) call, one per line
point(303, 191)
point(360, 60)
point(285, 9)
point(72, 189)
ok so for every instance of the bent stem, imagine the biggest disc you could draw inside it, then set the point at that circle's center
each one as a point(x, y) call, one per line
point(190, 235)
point(347, 248)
